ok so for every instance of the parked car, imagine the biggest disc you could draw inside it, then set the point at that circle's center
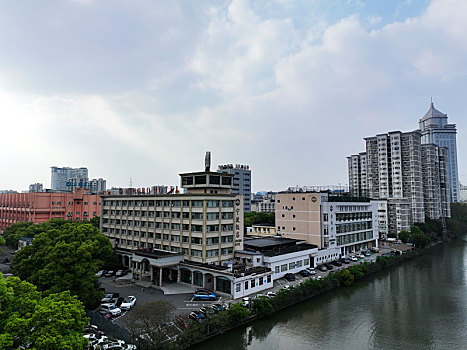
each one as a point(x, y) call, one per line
point(203, 290)
point(207, 311)
point(374, 249)
point(360, 256)
point(119, 301)
point(346, 260)
point(106, 315)
point(184, 321)
point(204, 295)
point(322, 268)
point(108, 297)
point(289, 277)
point(366, 253)
point(112, 309)
point(270, 294)
point(353, 258)
point(120, 273)
point(218, 307)
point(92, 329)
point(197, 316)
point(329, 266)
point(336, 263)
point(304, 273)
point(100, 273)
point(128, 303)
point(312, 270)
point(109, 273)
point(246, 301)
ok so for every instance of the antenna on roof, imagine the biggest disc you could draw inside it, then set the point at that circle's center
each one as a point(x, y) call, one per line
point(431, 98)
point(131, 183)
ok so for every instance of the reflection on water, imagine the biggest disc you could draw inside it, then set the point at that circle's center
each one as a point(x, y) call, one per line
point(421, 304)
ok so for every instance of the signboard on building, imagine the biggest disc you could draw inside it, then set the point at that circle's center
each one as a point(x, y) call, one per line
point(154, 190)
point(238, 216)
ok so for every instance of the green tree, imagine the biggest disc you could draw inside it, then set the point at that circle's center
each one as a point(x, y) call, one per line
point(64, 258)
point(405, 236)
point(420, 240)
point(253, 218)
point(30, 321)
point(238, 313)
point(346, 277)
point(15, 231)
point(96, 222)
point(262, 306)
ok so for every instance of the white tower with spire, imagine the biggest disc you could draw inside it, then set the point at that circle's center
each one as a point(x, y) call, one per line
point(435, 129)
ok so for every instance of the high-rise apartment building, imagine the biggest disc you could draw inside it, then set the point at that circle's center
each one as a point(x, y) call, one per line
point(62, 178)
point(241, 182)
point(69, 179)
point(37, 187)
point(410, 176)
point(435, 129)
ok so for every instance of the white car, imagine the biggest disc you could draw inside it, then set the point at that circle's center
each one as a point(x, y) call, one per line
point(270, 294)
point(128, 303)
point(246, 301)
point(112, 309)
point(311, 270)
point(361, 256)
point(353, 258)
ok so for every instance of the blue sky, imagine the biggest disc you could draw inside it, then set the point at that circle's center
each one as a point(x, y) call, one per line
point(142, 89)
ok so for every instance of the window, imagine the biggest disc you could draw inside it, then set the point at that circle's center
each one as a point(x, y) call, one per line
point(276, 269)
point(252, 283)
point(306, 262)
point(238, 287)
point(291, 266)
point(260, 281)
point(269, 278)
point(246, 285)
point(283, 267)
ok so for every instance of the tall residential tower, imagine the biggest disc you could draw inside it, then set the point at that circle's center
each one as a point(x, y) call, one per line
point(435, 129)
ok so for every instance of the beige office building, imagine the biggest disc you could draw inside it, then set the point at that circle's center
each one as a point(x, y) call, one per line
point(328, 221)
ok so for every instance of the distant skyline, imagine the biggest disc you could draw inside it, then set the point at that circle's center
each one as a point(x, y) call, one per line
point(143, 89)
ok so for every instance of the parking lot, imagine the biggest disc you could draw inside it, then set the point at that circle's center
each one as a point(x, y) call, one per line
point(182, 301)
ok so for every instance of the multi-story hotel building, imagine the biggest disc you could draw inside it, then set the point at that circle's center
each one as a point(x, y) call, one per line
point(436, 130)
point(38, 207)
point(327, 221)
point(205, 224)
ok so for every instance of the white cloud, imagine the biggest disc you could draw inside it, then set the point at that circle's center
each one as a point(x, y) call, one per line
point(292, 102)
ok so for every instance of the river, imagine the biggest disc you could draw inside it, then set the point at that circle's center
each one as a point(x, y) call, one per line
point(420, 304)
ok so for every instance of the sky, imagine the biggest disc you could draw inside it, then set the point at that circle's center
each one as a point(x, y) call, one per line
point(142, 89)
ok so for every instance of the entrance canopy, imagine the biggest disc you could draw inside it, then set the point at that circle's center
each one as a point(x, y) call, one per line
point(158, 258)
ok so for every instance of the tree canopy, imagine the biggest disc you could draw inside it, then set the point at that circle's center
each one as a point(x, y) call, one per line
point(28, 320)
point(65, 257)
point(254, 218)
point(27, 229)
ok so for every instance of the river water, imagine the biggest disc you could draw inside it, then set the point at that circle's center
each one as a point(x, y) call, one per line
point(420, 304)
